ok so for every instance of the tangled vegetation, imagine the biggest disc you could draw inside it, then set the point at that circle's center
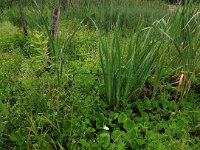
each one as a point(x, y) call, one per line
point(114, 75)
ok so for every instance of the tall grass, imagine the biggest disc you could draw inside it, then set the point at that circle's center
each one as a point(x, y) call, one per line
point(105, 12)
point(126, 69)
point(183, 32)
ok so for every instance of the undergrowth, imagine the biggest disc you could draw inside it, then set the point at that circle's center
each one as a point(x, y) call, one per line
point(115, 80)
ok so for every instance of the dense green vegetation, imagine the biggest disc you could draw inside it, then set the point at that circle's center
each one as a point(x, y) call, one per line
point(120, 74)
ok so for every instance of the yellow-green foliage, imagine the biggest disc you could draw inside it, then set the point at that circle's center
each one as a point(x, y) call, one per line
point(84, 43)
point(36, 43)
point(36, 48)
point(10, 37)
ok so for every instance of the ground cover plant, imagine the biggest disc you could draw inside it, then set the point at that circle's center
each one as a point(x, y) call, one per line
point(107, 74)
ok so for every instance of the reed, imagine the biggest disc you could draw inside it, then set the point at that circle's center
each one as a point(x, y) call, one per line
point(126, 69)
point(182, 31)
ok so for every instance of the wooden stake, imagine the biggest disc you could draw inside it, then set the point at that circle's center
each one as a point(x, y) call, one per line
point(53, 32)
point(23, 21)
point(54, 22)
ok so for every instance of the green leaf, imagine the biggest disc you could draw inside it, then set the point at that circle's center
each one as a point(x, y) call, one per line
point(147, 103)
point(129, 125)
point(128, 112)
point(113, 115)
point(116, 135)
point(132, 134)
point(104, 139)
point(122, 118)
point(140, 141)
point(14, 136)
point(3, 108)
point(83, 142)
point(18, 136)
point(99, 123)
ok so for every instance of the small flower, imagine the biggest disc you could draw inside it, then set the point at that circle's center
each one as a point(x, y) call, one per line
point(105, 127)
point(40, 113)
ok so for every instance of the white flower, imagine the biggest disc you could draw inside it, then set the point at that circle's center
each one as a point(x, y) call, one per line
point(40, 113)
point(105, 127)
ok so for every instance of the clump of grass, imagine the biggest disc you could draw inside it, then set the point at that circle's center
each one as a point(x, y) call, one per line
point(126, 69)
